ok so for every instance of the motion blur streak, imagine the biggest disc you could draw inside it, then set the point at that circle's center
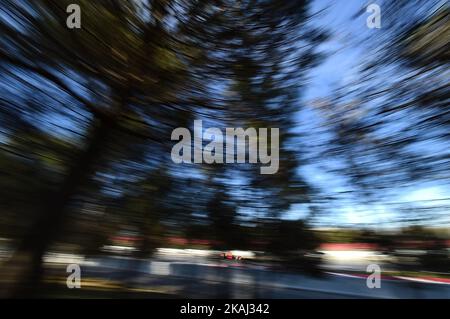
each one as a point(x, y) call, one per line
point(86, 177)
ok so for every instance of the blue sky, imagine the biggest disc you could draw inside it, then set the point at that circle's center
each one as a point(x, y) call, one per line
point(346, 50)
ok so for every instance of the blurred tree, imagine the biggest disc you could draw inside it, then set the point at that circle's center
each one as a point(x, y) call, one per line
point(389, 127)
point(294, 243)
point(132, 73)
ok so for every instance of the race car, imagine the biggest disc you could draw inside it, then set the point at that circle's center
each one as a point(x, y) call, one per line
point(230, 256)
point(238, 255)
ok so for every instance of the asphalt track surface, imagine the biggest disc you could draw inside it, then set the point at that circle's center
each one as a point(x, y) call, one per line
point(229, 279)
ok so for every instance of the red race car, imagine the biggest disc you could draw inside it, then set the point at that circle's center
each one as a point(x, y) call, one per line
point(230, 256)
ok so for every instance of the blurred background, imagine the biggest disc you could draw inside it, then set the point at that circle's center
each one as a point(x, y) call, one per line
point(86, 177)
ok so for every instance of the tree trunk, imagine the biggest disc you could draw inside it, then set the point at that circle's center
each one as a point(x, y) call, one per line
point(26, 269)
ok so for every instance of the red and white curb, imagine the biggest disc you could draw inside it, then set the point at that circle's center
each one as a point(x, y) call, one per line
point(428, 280)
